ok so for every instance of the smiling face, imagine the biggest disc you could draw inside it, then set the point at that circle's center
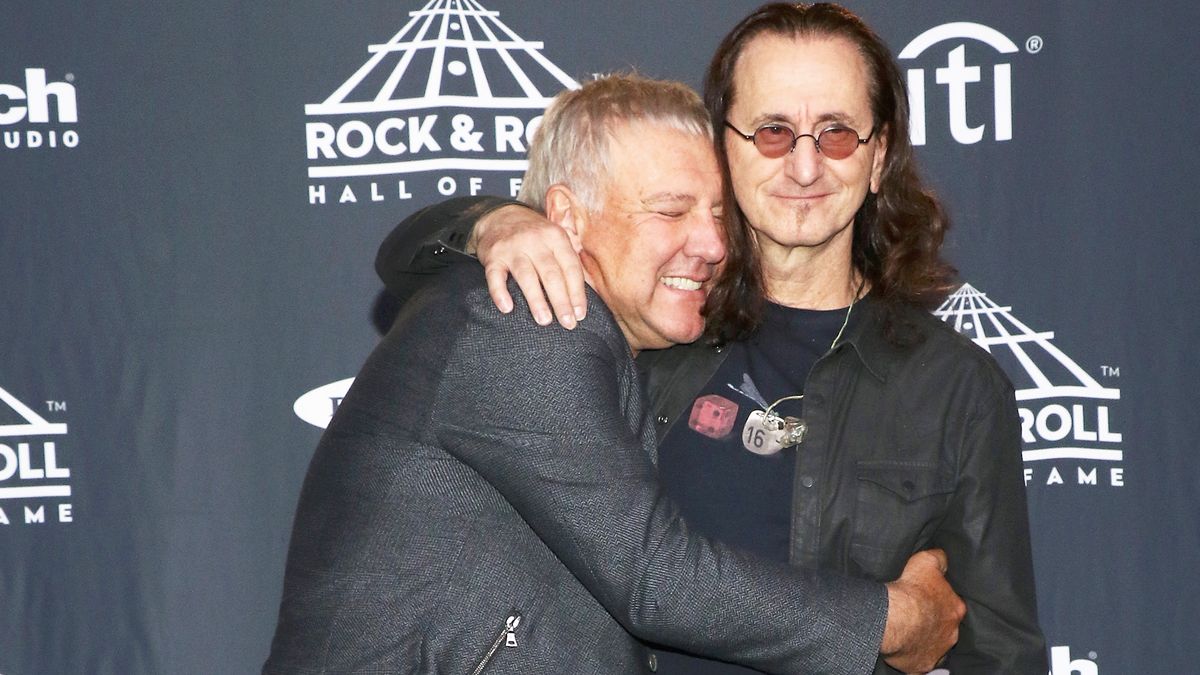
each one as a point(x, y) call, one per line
point(651, 247)
point(803, 199)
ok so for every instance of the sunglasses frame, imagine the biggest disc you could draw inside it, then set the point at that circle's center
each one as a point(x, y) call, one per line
point(796, 139)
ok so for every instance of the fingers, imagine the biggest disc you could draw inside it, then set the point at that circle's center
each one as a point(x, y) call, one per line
point(546, 263)
point(921, 564)
point(572, 270)
point(540, 275)
point(497, 281)
point(939, 558)
point(932, 609)
point(555, 285)
point(528, 280)
point(541, 283)
point(561, 274)
point(566, 289)
point(540, 257)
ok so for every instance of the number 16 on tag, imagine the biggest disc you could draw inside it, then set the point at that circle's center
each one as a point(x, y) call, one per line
point(765, 434)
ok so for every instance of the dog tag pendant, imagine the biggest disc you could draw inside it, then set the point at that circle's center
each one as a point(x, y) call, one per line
point(762, 433)
point(767, 434)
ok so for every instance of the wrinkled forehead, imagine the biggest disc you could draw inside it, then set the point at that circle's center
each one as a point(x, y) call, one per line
point(653, 157)
point(635, 136)
point(815, 67)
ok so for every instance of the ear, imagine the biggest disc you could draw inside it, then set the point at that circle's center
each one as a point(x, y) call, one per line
point(565, 210)
point(880, 160)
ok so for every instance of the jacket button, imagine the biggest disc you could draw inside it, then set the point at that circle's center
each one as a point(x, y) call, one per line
point(652, 661)
point(439, 250)
point(806, 481)
point(662, 419)
point(719, 348)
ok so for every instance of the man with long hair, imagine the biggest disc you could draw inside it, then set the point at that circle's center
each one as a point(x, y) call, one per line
point(484, 500)
point(828, 420)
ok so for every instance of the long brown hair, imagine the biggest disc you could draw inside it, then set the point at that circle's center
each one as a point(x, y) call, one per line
point(897, 233)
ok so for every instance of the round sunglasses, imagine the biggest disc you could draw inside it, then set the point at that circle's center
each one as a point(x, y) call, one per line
point(776, 140)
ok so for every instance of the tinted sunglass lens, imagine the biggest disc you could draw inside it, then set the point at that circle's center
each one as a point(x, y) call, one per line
point(838, 143)
point(774, 141)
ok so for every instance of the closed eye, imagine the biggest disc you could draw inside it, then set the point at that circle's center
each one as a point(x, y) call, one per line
point(774, 131)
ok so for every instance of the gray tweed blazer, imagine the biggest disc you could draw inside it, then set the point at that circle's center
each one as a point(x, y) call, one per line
point(485, 501)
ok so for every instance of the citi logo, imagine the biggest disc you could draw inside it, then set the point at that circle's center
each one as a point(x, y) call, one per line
point(957, 77)
point(455, 92)
point(30, 467)
point(1067, 425)
point(32, 104)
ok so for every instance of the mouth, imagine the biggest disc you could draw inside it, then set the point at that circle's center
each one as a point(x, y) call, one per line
point(681, 283)
point(801, 197)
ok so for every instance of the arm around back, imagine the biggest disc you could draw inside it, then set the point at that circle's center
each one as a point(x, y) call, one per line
point(553, 420)
point(412, 249)
point(512, 240)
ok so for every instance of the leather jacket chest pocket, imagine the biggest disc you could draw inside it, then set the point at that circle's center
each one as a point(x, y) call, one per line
point(898, 506)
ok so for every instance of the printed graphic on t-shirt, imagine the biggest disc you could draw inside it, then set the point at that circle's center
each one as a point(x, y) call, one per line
point(713, 415)
point(716, 417)
point(750, 391)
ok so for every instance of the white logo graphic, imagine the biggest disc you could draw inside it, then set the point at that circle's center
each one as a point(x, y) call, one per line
point(31, 470)
point(1064, 410)
point(317, 406)
point(31, 105)
point(454, 90)
point(956, 75)
point(1062, 664)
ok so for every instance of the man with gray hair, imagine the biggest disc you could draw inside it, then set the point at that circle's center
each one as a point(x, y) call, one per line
point(485, 499)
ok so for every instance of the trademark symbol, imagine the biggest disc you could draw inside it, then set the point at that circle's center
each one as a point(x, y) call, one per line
point(1110, 371)
point(1034, 44)
point(70, 77)
point(56, 406)
point(1093, 655)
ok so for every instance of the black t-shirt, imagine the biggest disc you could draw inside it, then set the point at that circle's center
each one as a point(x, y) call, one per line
point(711, 465)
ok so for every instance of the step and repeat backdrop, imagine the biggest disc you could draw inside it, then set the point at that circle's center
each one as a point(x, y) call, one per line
point(192, 193)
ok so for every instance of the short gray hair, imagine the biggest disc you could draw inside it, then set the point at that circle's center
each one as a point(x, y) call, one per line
point(571, 145)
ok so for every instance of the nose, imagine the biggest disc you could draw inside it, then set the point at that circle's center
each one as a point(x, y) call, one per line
point(804, 164)
point(705, 239)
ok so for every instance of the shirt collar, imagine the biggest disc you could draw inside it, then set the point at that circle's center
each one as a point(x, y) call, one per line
point(867, 338)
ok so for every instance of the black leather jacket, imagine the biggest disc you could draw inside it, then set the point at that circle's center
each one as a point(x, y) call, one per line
point(909, 446)
point(913, 442)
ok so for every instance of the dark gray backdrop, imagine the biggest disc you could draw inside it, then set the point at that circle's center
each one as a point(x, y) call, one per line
point(169, 290)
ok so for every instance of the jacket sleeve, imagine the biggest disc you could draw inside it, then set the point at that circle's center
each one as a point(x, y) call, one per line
point(551, 418)
point(414, 248)
point(986, 538)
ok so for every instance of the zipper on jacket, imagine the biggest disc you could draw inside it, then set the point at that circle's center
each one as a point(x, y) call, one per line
point(508, 636)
